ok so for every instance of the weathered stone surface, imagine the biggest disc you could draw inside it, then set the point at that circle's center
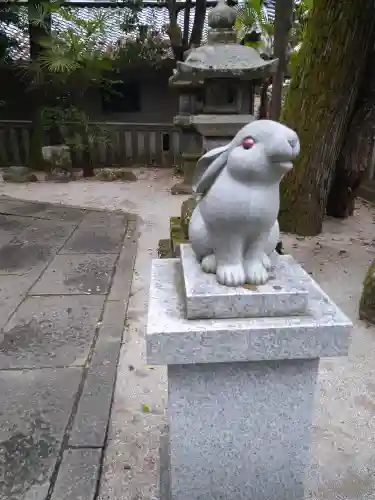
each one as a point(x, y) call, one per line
point(19, 170)
point(95, 239)
point(50, 332)
point(78, 475)
point(19, 174)
point(35, 409)
point(367, 302)
point(91, 420)
point(31, 250)
point(284, 294)
point(5, 237)
point(11, 206)
point(13, 225)
point(173, 339)
point(122, 280)
point(56, 330)
point(76, 274)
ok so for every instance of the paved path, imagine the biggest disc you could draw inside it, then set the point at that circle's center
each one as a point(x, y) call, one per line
point(65, 276)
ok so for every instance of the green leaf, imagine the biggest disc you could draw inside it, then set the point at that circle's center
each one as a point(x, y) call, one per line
point(145, 408)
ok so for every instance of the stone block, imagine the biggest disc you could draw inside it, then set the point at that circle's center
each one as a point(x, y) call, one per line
point(174, 339)
point(35, 410)
point(78, 475)
point(238, 430)
point(284, 295)
point(240, 390)
point(50, 331)
point(77, 274)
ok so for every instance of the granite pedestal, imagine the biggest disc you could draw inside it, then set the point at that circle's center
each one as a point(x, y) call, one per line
point(240, 389)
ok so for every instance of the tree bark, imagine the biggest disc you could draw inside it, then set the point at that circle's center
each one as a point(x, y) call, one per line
point(37, 32)
point(174, 31)
point(358, 145)
point(283, 23)
point(319, 104)
point(199, 17)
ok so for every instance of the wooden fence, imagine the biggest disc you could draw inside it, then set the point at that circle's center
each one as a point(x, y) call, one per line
point(121, 144)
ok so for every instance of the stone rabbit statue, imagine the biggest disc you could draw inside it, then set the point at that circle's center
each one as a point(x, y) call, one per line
point(234, 228)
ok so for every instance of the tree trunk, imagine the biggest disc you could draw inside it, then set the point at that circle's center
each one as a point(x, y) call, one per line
point(174, 31)
point(37, 31)
point(283, 23)
point(358, 145)
point(185, 33)
point(199, 17)
point(319, 103)
point(263, 107)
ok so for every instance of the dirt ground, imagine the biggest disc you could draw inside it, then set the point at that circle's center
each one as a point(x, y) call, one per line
point(344, 425)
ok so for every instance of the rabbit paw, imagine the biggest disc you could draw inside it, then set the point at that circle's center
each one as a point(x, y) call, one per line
point(266, 261)
point(256, 273)
point(231, 275)
point(208, 264)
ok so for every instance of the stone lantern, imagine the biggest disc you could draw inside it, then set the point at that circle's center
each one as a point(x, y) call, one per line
point(216, 84)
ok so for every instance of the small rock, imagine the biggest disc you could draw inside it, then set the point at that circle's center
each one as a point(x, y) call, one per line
point(19, 175)
point(181, 188)
point(58, 174)
point(15, 170)
point(116, 174)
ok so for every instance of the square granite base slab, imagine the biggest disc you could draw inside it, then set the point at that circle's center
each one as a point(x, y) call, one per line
point(171, 338)
point(205, 298)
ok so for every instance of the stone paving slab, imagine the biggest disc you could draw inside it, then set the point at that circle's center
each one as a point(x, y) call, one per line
point(97, 237)
point(5, 237)
point(35, 410)
point(40, 210)
point(13, 290)
point(50, 331)
point(32, 248)
point(65, 278)
point(93, 412)
point(78, 477)
point(13, 224)
point(77, 274)
point(91, 421)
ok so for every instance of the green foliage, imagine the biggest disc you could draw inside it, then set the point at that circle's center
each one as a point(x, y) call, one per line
point(70, 59)
point(73, 127)
point(250, 18)
point(302, 14)
point(9, 17)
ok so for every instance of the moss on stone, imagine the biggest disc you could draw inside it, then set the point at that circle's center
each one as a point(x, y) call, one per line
point(165, 249)
point(187, 208)
point(116, 174)
point(177, 236)
point(367, 302)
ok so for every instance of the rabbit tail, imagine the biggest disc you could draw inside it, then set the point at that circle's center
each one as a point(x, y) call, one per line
point(198, 235)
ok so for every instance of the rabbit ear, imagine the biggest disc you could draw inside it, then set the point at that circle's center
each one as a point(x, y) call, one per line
point(208, 168)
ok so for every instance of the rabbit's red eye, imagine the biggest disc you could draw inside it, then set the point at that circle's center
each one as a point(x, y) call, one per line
point(248, 143)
